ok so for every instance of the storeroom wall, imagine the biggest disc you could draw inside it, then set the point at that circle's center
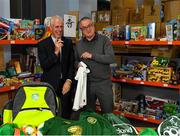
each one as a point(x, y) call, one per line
point(61, 7)
point(57, 7)
point(86, 6)
point(5, 11)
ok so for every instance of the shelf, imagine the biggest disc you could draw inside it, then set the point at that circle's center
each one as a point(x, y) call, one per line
point(146, 43)
point(5, 42)
point(148, 83)
point(8, 88)
point(176, 42)
point(134, 116)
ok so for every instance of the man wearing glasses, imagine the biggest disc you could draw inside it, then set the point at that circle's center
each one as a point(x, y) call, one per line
point(96, 52)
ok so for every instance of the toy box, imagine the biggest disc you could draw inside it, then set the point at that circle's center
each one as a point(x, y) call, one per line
point(138, 32)
point(127, 106)
point(159, 74)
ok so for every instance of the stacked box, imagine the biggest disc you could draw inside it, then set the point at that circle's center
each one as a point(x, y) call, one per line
point(171, 9)
point(120, 16)
point(159, 74)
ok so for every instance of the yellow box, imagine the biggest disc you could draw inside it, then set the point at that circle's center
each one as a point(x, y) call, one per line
point(159, 74)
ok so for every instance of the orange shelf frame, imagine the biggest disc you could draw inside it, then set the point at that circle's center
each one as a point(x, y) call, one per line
point(145, 43)
point(8, 88)
point(176, 42)
point(148, 83)
point(135, 116)
point(132, 116)
point(5, 42)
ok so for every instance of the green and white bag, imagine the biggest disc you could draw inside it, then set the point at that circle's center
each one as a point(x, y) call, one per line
point(170, 126)
point(121, 124)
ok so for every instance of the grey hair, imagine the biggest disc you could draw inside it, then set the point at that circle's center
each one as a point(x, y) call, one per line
point(54, 18)
point(84, 18)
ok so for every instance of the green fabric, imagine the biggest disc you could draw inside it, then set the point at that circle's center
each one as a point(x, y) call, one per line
point(115, 118)
point(148, 132)
point(170, 126)
point(121, 124)
point(90, 123)
point(8, 129)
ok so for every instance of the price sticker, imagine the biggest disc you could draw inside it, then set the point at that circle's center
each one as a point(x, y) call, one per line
point(12, 42)
point(142, 83)
point(122, 114)
point(145, 119)
point(169, 42)
point(165, 85)
point(123, 80)
point(126, 42)
point(12, 87)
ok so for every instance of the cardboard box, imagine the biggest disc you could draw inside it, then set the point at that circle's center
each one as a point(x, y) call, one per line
point(4, 99)
point(2, 65)
point(120, 49)
point(171, 9)
point(117, 4)
point(118, 59)
point(152, 14)
point(103, 16)
point(120, 16)
point(148, 2)
point(100, 25)
point(168, 51)
point(162, 29)
point(136, 17)
point(158, 30)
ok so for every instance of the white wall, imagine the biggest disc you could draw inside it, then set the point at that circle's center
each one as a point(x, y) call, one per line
point(57, 7)
point(5, 12)
point(86, 6)
point(74, 5)
point(5, 8)
point(61, 7)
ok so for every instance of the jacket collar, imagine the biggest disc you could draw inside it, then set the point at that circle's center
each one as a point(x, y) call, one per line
point(94, 38)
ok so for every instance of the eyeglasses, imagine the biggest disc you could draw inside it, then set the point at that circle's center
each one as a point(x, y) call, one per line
point(86, 27)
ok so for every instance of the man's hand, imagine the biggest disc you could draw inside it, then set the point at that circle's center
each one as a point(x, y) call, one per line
point(58, 45)
point(86, 55)
point(66, 86)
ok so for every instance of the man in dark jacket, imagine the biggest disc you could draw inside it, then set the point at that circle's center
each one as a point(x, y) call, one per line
point(96, 52)
point(57, 61)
